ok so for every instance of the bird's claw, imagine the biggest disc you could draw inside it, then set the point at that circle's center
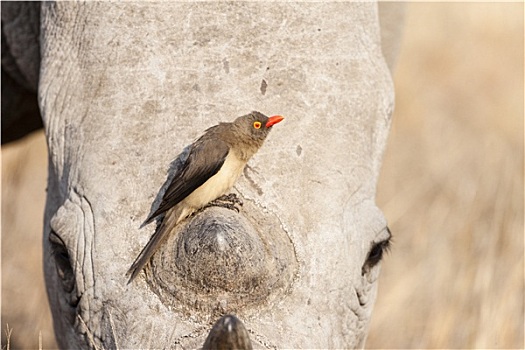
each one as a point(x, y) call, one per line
point(232, 197)
point(229, 201)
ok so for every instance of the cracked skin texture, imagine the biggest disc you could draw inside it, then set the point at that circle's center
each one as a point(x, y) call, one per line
point(123, 88)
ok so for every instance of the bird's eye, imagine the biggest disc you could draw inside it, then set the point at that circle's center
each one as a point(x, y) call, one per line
point(257, 125)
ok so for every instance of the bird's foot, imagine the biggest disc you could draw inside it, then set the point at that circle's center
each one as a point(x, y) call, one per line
point(229, 201)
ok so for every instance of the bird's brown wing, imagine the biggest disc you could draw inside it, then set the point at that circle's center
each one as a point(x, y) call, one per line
point(205, 159)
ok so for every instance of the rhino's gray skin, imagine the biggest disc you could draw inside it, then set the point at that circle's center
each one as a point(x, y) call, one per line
point(123, 88)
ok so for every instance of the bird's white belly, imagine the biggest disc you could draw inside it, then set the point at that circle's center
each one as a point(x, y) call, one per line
point(218, 184)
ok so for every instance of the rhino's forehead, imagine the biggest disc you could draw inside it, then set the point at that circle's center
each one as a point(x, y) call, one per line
point(133, 111)
point(317, 64)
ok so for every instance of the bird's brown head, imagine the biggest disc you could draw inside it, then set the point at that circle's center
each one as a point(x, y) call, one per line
point(255, 126)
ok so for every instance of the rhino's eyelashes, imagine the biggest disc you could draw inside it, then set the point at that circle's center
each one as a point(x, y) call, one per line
point(62, 262)
point(375, 255)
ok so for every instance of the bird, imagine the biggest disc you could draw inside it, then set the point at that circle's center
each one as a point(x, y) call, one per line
point(215, 161)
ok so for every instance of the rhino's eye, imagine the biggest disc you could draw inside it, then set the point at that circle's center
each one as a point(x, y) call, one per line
point(376, 253)
point(62, 262)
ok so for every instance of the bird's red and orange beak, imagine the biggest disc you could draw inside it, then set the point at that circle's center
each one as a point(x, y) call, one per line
point(274, 120)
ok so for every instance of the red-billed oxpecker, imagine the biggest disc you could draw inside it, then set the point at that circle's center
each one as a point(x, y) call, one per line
point(215, 162)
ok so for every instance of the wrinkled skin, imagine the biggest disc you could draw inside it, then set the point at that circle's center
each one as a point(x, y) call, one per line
point(124, 88)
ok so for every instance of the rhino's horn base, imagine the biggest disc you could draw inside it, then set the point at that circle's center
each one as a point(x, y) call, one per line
point(220, 261)
point(228, 333)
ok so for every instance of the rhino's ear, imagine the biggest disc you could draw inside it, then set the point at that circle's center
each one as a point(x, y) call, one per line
point(228, 333)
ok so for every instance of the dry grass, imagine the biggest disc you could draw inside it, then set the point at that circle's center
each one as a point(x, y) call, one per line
point(451, 187)
point(24, 299)
point(452, 183)
point(8, 332)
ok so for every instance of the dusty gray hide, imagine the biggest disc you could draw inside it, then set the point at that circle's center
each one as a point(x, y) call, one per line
point(123, 88)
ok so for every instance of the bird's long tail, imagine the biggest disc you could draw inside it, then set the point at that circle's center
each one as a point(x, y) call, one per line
point(168, 224)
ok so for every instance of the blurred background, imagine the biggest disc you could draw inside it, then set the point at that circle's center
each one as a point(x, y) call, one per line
point(451, 188)
point(452, 182)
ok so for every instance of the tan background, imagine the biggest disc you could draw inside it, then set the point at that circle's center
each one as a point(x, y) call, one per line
point(451, 188)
